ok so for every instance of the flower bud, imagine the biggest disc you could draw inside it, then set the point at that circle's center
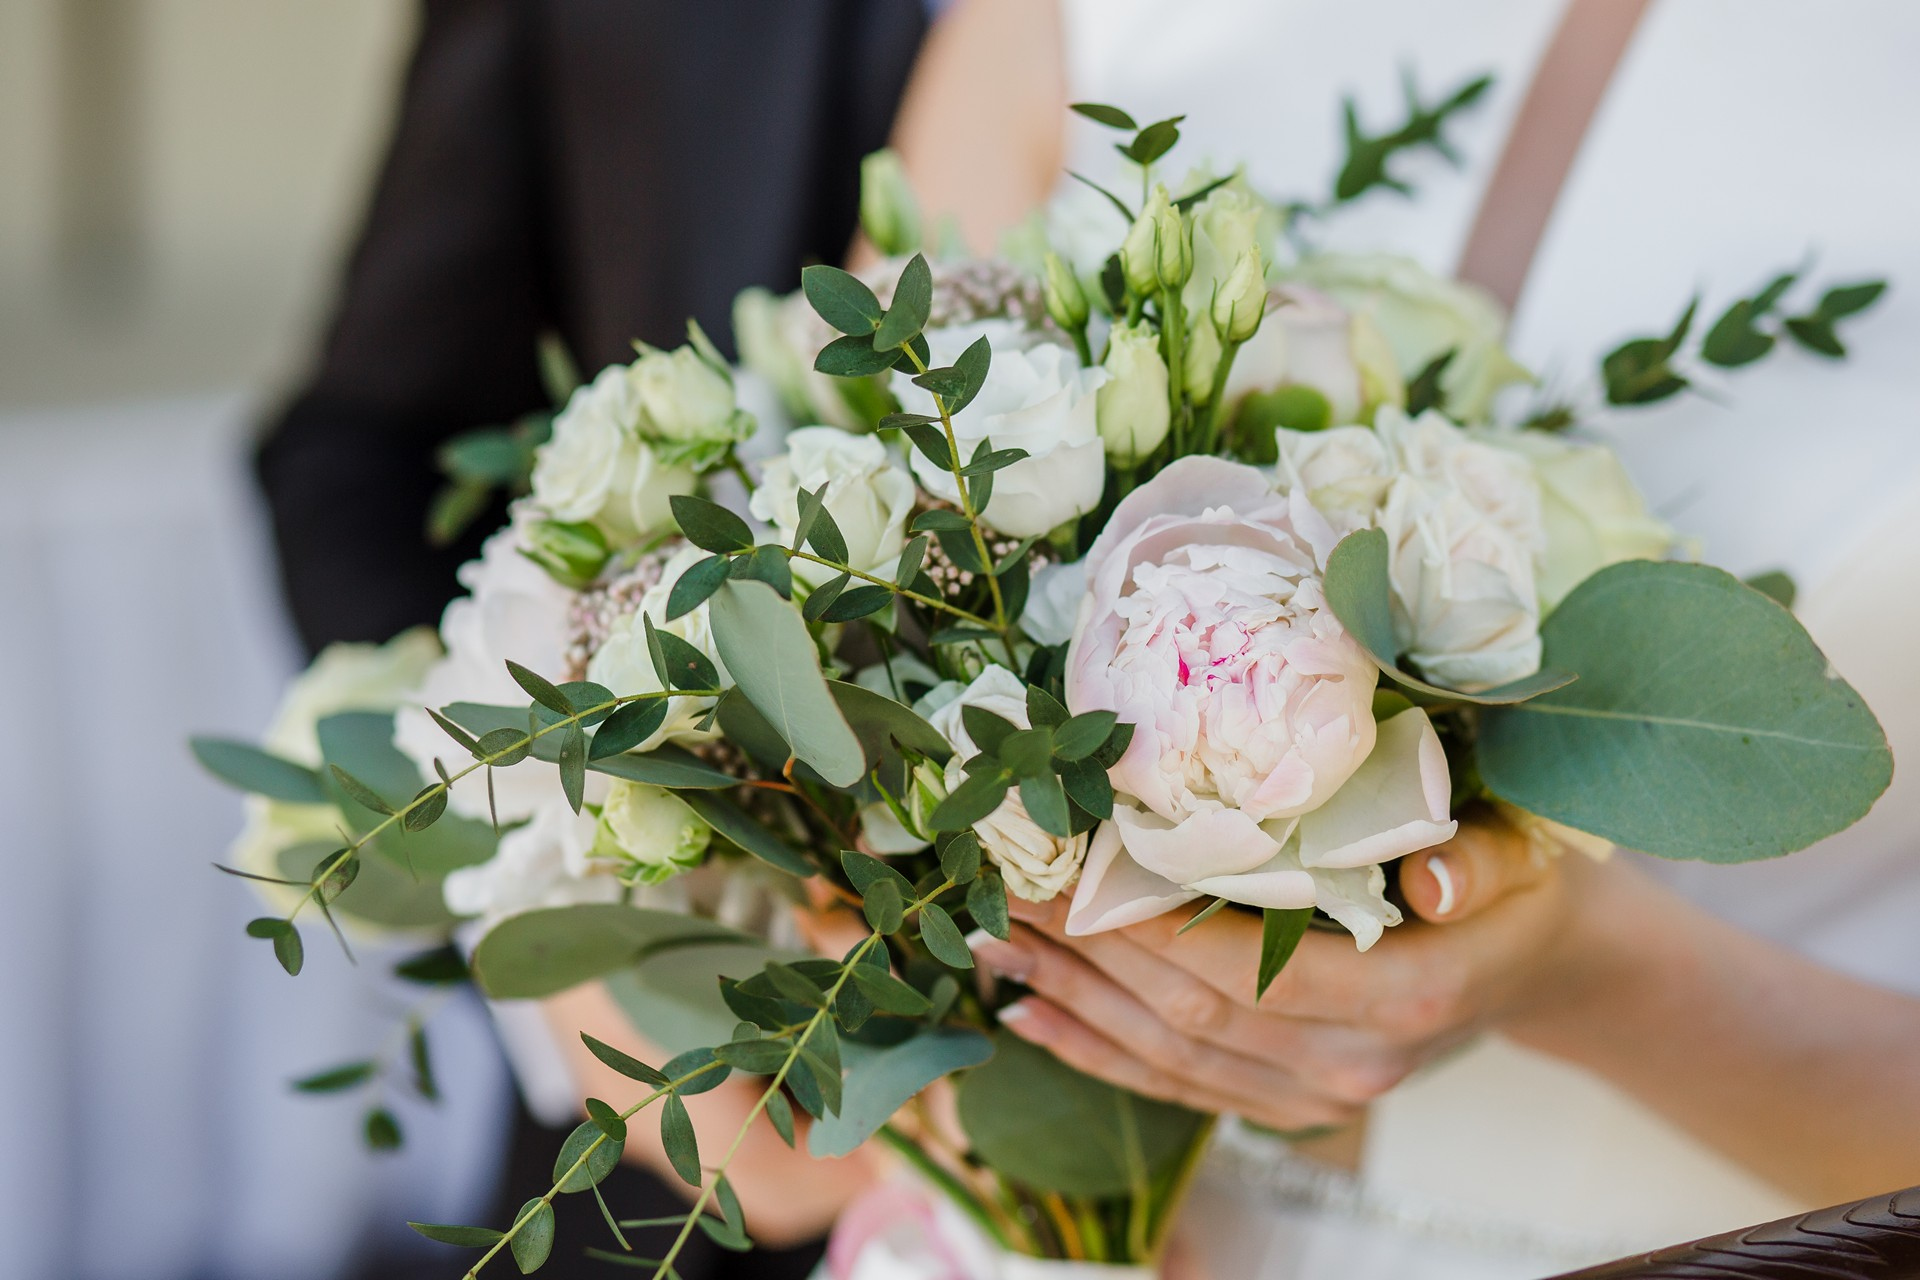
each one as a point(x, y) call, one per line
point(651, 832)
point(1158, 250)
point(1132, 408)
point(685, 398)
point(889, 214)
point(572, 553)
point(1241, 299)
point(1066, 300)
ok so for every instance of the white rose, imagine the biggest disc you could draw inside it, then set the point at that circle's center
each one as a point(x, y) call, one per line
point(1308, 339)
point(348, 677)
point(686, 399)
point(779, 338)
point(1037, 864)
point(1344, 471)
point(1036, 398)
point(868, 495)
point(1593, 514)
point(513, 611)
point(597, 467)
point(624, 664)
point(1464, 530)
point(651, 830)
point(1423, 317)
point(545, 863)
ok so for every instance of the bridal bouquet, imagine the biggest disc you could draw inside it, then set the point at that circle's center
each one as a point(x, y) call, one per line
point(1167, 563)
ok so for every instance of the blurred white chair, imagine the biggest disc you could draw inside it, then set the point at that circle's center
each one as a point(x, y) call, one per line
point(145, 1044)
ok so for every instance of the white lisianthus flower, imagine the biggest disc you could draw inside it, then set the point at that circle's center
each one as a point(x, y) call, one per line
point(546, 863)
point(1423, 317)
point(869, 496)
point(513, 611)
point(624, 664)
point(599, 467)
point(686, 399)
point(1133, 409)
point(1036, 864)
point(1037, 398)
point(1256, 772)
point(1309, 340)
point(1464, 532)
point(1593, 513)
point(649, 832)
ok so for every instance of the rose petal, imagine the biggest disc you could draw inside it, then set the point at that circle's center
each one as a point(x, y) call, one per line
point(1395, 802)
point(1115, 891)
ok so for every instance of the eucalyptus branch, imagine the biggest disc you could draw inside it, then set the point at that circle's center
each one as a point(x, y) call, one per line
point(580, 1164)
point(915, 596)
point(955, 469)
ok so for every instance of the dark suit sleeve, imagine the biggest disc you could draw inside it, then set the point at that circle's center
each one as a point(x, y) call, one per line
point(434, 334)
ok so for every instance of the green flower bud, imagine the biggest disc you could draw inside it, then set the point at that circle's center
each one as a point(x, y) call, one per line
point(1132, 407)
point(1066, 300)
point(1241, 299)
point(1156, 240)
point(572, 553)
point(889, 214)
point(650, 831)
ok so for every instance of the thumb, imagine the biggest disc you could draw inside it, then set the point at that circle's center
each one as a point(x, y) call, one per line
point(1486, 860)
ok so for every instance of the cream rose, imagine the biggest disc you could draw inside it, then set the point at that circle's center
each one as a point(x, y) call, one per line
point(868, 495)
point(513, 611)
point(686, 399)
point(1256, 772)
point(1309, 340)
point(624, 664)
point(1037, 398)
point(598, 467)
point(649, 833)
point(1423, 317)
point(1593, 514)
point(1036, 863)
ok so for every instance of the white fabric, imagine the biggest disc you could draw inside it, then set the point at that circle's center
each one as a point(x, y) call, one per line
point(146, 1128)
point(1702, 170)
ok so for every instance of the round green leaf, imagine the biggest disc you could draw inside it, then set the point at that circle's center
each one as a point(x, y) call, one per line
point(1705, 723)
point(773, 660)
point(598, 1164)
point(533, 1242)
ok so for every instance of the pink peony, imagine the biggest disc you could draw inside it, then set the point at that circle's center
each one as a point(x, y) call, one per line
point(1256, 771)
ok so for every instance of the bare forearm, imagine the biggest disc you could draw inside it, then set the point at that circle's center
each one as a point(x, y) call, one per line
point(1804, 1076)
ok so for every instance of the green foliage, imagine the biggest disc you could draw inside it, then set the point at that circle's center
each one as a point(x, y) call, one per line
point(942, 937)
point(842, 300)
point(1368, 155)
point(478, 463)
point(585, 1159)
point(442, 966)
point(1358, 592)
point(381, 1131)
point(775, 664)
point(1776, 585)
point(247, 767)
point(337, 1079)
point(1041, 1124)
point(1705, 723)
point(533, 1241)
point(464, 1237)
point(882, 1080)
point(677, 1137)
point(912, 304)
point(1280, 934)
point(627, 1065)
point(542, 952)
point(1640, 371)
point(709, 525)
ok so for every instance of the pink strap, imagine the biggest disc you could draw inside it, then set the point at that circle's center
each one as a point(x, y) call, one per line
point(1566, 91)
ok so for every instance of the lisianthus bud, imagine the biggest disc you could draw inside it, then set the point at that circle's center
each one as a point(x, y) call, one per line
point(888, 212)
point(572, 553)
point(1066, 300)
point(685, 398)
point(1241, 299)
point(1132, 407)
point(650, 831)
point(1158, 250)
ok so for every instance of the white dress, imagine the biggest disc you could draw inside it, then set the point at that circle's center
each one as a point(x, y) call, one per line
point(1737, 137)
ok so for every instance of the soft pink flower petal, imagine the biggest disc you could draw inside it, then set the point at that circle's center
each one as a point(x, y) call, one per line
point(1395, 802)
point(1115, 891)
point(1187, 487)
point(1281, 885)
point(1215, 842)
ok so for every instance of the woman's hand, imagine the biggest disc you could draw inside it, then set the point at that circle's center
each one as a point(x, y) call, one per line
point(1174, 1016)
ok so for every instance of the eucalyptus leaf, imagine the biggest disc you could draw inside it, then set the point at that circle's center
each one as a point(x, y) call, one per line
point(881, 1081)
point(699, 581)
point(943, 939)
point(249, 768)
point(463, 1237)
point(912, 303)
point(733, 822)
point(766, 648)
point(602, 1155)
point(533, 1242)
point(542, 952)
point(677, 1137)
point(1705, 725)
point(841, 299)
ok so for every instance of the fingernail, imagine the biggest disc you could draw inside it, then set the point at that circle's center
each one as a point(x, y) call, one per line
point(1003, 958)
point(1444, 878)
point(1018, 1015)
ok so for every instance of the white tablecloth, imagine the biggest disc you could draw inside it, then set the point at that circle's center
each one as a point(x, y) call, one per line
point(145, 1126)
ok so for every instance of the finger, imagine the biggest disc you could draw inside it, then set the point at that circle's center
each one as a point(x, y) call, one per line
point(1040, 1022)
point(1485, 862)
point(1230, 1064)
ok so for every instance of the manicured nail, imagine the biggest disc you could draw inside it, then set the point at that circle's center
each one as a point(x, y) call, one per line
point(1017, 1012)
point(1003, 958)
point(1438, 866)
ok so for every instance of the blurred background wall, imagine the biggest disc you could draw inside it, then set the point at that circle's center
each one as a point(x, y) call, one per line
point(178, 182)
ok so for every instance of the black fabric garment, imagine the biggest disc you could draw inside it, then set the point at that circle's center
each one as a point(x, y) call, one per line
point(602, 169)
